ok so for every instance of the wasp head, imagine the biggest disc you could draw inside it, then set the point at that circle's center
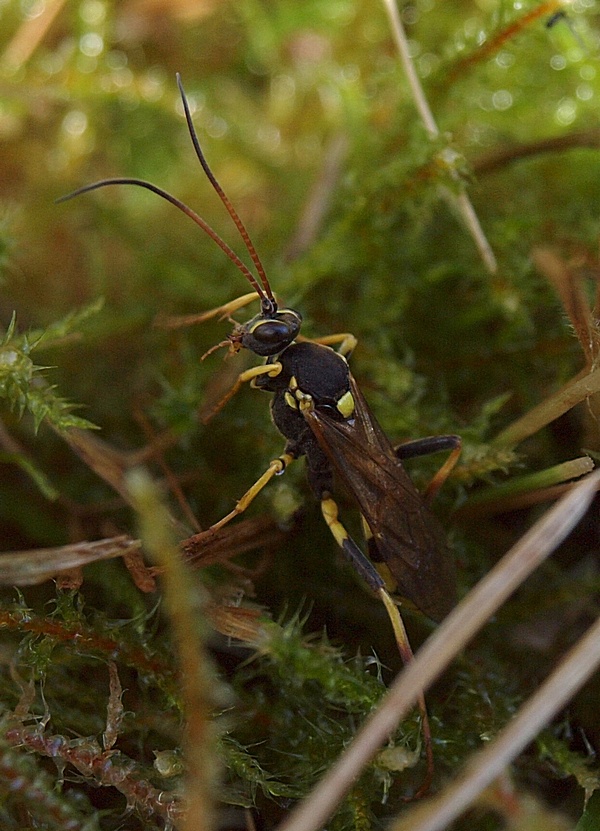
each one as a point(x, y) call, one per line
point(268, 333)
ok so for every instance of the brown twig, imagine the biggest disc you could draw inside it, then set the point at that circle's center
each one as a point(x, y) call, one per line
point(108, 768)
point(501, 156)
point(496, 42)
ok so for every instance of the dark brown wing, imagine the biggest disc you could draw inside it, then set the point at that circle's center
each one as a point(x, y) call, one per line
point(408, 536)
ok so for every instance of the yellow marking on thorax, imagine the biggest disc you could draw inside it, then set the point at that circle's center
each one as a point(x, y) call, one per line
point(346, 405)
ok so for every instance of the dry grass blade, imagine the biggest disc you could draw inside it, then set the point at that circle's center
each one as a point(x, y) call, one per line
point(107, 462)
point(431, 660)
point(28, 568)
point(461, 201)
point(586, 383)
point(487, 764)
point(572, 296)
point(572, 393)
point(29, 35)
point(112, 465)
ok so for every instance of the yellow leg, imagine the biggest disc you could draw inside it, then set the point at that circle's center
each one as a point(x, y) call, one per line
point(369, 573)
point(361, 564)
point(440, 477)
point(346, 340)
point(275, 467)
point(224, 312)
point(249, 375)
point(329, 510)
point(427, 446)
point(406, 653)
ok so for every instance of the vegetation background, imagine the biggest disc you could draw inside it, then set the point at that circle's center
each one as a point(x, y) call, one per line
point(308, 121)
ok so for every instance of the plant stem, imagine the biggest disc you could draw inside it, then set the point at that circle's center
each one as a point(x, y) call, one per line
point(461, 201)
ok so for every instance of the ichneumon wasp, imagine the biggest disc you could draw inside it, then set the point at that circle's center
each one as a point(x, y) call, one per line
point(320, 411)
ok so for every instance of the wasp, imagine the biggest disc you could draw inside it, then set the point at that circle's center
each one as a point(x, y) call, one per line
point(319, 409)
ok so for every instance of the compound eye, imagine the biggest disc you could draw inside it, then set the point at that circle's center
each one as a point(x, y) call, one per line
point(271, 331)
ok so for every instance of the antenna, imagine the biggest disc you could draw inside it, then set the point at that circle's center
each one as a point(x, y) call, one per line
point(268, 302)
point(230, 209)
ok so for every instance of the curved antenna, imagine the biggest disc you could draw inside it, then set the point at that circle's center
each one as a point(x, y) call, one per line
point(267, 299)
point(223, 196)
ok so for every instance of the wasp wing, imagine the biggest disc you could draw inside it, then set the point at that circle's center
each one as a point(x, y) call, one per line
point(408, 537)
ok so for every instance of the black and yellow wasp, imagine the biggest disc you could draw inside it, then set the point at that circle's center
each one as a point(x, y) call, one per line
point(319, 409)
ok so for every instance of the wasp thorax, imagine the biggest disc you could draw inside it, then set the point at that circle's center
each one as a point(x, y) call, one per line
point(270, 335)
